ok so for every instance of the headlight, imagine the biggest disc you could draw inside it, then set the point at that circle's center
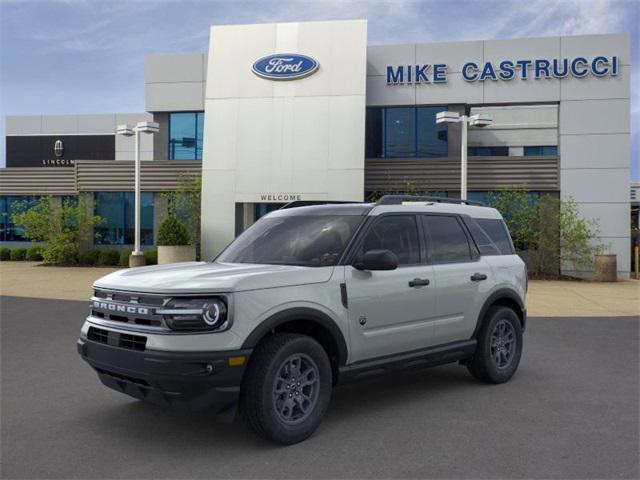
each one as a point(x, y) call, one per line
point(196, 314)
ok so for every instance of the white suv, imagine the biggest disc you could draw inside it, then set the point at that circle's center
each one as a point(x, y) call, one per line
point(309, 297)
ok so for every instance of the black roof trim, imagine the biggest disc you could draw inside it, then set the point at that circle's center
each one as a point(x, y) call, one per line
point(304, 207)
point(308, 203)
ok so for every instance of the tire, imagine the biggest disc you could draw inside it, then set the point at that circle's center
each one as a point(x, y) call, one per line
point(497, 363)
point(271, 403)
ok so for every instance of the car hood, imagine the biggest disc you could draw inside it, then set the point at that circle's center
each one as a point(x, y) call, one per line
point(203, 277)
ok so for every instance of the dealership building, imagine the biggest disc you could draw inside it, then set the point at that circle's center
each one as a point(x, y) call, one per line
point(308, 111)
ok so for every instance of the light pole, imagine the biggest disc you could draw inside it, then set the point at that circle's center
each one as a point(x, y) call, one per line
point(477, 120)
point(136, 259)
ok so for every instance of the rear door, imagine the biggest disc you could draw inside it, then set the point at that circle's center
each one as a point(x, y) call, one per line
point(462, 277)
point(390, 311)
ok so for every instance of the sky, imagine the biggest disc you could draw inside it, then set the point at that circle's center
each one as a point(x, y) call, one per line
point(87, 56)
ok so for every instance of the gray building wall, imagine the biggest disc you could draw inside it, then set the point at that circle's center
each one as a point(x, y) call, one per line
point(103, 124)
point(175, 82)
point(592, 128)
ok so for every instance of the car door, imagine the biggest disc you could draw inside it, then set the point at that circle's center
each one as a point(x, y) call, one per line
point(390, 311)
point(461, 277)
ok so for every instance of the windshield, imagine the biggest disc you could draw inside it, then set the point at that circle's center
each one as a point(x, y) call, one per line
point(310, 241)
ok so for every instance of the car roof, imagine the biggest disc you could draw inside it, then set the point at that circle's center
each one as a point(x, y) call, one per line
point(474, 211)
point(373, 209)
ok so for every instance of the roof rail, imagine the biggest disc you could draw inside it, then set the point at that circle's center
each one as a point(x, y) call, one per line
point(307, 203)
point(399, 199)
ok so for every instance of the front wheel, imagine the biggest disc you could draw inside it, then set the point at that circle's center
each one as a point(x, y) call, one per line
point(499, 346)
point(287, 388)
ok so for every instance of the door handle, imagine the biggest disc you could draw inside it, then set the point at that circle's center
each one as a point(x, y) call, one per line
point(419, 282)
point(477, 277)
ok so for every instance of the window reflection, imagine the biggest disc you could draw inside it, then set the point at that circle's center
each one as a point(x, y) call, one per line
point(185, 135)
point(405, 132)
point(117, 209)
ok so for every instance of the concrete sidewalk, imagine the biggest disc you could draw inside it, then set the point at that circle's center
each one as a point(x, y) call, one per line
point(32, 279)
point(546, 298)
point(554, 298)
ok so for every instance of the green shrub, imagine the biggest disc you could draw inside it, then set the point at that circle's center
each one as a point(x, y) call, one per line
point(5, 254)
point(64, 227)
point(18, 254)
point(61, 254)
point(548, 232)
point(124, 258)
point(90, 257)
point(34, 254)
point(172, 232)
point(185, 203)
point(109, 257)
point(151, 257)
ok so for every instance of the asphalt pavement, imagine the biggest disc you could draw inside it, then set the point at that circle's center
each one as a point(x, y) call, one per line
point(571, 411)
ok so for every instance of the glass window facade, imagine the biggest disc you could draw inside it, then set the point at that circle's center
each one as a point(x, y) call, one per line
point(541, 151)
point(117, 209)
point(261, 209)
point(185, 135)
point(8, 206)
point(488, 151)
point(405, 132)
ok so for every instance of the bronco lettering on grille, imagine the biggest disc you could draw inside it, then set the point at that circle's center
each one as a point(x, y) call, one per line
point(116, 307)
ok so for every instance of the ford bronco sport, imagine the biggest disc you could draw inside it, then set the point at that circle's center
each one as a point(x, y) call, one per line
point(307, 298)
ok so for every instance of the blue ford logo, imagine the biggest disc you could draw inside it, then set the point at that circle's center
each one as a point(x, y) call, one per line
point(285, 66)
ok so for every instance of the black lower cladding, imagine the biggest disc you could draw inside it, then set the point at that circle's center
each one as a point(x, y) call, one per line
point(194, 381)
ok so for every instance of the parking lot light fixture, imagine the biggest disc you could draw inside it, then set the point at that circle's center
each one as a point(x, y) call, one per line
point(136, 259)
point(477, 120)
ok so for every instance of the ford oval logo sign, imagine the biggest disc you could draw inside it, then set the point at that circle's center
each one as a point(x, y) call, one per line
point(285, 66)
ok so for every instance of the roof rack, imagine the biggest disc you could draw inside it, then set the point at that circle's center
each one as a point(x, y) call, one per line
point(307, 203)
point(399, 199)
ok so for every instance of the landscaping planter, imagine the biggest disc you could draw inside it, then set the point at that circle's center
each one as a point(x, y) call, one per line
point(606, 268)
point(175, 254)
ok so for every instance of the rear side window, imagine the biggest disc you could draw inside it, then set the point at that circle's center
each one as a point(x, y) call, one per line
point(484, 243)
point(498, 233)
point(446, 240)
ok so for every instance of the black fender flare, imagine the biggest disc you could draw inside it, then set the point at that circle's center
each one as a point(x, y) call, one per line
point(495, 297)
point(296, 314)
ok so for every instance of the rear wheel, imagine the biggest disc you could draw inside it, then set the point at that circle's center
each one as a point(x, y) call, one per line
point(499, 346)
point(287, 388)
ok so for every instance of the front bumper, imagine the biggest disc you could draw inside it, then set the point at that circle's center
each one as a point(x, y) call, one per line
point(194, 381)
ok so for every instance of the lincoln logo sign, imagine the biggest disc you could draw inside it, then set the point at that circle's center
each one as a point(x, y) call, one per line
point(285, 66)
point(505, 70)
point(58, 148)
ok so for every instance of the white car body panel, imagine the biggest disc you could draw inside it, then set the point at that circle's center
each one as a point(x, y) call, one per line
point(398, 318)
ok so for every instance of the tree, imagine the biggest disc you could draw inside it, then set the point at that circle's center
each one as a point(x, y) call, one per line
point(548, 232)
point(184, 203)
point(172, 232)
point(64, 227)
point(519, 213)
point(407, 187)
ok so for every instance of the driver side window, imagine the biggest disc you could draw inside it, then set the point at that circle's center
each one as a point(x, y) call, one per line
point(397, 233)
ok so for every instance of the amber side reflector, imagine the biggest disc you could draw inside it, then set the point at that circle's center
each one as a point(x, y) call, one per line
point(236, 361)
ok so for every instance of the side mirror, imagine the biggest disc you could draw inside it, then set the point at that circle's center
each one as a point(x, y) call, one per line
point(377, 260)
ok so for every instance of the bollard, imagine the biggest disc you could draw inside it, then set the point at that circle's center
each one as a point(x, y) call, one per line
point(606, 268)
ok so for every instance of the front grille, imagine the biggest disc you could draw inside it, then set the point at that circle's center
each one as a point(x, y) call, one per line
point(98, 335)
point(130, 297)
point(116, 339)
point(133, 342)
point(130, 308)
